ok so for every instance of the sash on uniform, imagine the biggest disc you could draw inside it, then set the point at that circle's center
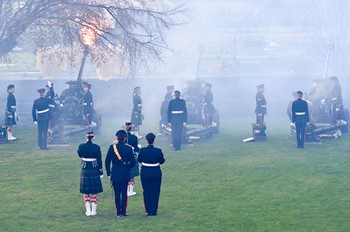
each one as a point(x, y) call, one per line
point(116, 152)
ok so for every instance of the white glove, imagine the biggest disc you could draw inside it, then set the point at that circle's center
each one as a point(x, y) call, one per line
point(184, 124)
point(49, 84)
point(35, 122)
point(323, 101)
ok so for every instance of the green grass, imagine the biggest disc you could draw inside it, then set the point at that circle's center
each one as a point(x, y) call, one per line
point(221, 184)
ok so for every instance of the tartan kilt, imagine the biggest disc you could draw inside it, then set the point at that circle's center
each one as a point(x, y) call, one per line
point(10, 119)
point(136, 118)
point(90, 181)
point(134, 171)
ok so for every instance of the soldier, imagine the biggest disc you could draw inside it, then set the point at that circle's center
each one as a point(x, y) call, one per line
point(52, 107)
point(136, 115)
point(300, 116)
point(134, 171)
point(177, 117)
point(41, 115)
point(208, 104)
point(260, 109)
point(88, 104)
point(336, 100)
point(10, 111)
point(151, 175)
point(91, 173)
point(164, 106)
point(122, 158)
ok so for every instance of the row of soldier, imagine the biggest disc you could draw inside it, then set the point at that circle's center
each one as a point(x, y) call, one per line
point(121, 168)
point(301, 111)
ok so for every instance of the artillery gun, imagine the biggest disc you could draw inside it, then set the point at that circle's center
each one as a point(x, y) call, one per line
point(196, 125)
point(326, 119)
point(68, 111)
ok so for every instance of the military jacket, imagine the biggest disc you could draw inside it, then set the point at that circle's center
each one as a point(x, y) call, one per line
point(120, 170)
point(300, 111)
point(149, 156)
point(177, 111)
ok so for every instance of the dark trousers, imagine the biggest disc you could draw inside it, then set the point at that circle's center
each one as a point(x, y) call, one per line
point(260, 118)
point(176, 131)
point(151, 192)
point(300, 132)
point(43, 126)
point(120, 196)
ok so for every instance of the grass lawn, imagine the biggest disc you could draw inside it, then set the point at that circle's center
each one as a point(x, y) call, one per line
point(221, 184)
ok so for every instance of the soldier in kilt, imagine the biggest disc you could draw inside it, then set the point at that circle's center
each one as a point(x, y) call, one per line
point(134, 171)
point(10, 111)
point(91, 173)
point(136, 114)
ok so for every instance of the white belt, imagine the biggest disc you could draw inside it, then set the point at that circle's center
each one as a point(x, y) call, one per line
point(43, 111)
point(177, 112)
point(139, 104)
point(88, 159)
point(150, 165)
point(13, 107)
point(51, 105)
point(300, 113)
point(263, 106)
point(85, 104)
point(335, 98)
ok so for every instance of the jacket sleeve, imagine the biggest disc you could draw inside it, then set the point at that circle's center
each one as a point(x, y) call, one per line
point(99, 158)
point(132, 159)
point(161, 158)
point(34, 113)
point(185, 111)
point(108, 161)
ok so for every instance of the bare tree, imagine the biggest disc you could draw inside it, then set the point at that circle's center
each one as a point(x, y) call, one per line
point(134, 30)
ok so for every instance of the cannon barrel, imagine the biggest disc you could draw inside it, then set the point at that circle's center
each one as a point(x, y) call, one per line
point(78, 130)
point(327, 129)
point(85, 53)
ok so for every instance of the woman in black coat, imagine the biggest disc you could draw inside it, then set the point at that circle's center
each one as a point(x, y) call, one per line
point(151, 158)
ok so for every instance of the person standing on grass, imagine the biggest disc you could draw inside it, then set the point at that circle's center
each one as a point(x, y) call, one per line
point(136, 114)
point(91, 173)
point(260, 109)
point(134, 171)
point(300, 116)
point(10, 112)
point(177, 118)
point(41, 115)
point(151, 175)
point(121, 155)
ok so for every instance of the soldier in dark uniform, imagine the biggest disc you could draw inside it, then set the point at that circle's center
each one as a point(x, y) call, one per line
point(164, 107)
point(121, 156)
point(41, 116)
point(151, 175)
point(177, 117)
point(88, 104)
point(10, 111)
point(209, 108)
point(336, 100)
point(136, 115)
point(91, 173)
point(260, 109)
point(52, 106)
point(300, 116)
point(134, 171)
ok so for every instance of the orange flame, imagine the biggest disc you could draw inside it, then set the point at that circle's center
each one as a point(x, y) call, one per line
point(88, 36)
